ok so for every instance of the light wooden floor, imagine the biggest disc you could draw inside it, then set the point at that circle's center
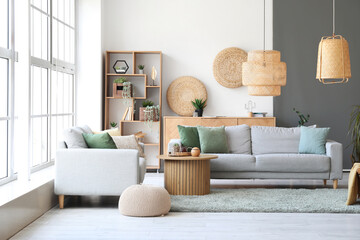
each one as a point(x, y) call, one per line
point(98, 218)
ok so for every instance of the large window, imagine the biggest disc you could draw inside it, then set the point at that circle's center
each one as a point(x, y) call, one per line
point(52, 76)
point(6, 66)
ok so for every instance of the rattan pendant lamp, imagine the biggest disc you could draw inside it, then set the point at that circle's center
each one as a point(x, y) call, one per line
point(333, 63)
point(264, 73)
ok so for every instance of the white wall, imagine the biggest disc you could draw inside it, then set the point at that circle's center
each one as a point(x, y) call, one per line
point(89, 64)
point(190, 33)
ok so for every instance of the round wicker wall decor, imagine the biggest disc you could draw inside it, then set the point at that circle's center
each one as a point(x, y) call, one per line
point(227, 67)
point(182, 91)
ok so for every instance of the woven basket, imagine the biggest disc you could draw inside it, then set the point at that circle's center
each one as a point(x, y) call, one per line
point(264, 73)
point(333, 58)
point(264, 90)
point(227, 67)
point(182, 91)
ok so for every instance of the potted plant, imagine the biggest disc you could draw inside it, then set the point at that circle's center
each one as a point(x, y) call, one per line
point(302, 118)
point(127, 90)
point(146, 104)
point(199, 105)
point(118, 87)
point(113, 124)
point(354, 132)
point(141, 69)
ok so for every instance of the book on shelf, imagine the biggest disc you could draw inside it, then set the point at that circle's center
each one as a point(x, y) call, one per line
point(129, 113)
point(125, 113)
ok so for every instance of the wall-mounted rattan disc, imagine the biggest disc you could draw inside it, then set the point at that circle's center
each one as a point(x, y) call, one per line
point(182, 91)
point(227, 67)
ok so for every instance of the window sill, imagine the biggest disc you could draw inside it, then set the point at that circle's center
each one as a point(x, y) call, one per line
point(18, 188)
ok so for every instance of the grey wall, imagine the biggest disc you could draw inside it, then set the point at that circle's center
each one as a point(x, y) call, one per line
point(298, 28)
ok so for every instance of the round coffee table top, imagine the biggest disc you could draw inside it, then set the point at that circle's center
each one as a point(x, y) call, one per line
point(201, 157)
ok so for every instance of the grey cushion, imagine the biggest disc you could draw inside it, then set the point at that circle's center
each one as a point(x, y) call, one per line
point(292, 163)
point(239, 140)
point(86, 129)
point(73, 137)
point(232, 162)
point(274, 140)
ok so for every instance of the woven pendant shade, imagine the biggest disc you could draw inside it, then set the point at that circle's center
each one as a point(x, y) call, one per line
point(264, 73)
point(333, 60)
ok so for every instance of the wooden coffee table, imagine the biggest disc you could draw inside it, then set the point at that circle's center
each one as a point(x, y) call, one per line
point(187, 175)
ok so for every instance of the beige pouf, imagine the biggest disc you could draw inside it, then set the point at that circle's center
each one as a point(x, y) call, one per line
point(144, 201)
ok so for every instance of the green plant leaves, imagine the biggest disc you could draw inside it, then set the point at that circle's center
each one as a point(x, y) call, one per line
point(199, 103)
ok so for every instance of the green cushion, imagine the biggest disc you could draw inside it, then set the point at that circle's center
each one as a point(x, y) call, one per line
point(313, 140)
point(102, 140)
point(189, 136)
point(213, 139)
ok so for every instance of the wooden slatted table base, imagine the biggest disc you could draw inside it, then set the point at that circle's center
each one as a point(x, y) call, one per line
point(187, 175)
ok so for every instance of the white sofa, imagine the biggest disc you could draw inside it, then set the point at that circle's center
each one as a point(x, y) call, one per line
point(272, 153)
point(84, 171)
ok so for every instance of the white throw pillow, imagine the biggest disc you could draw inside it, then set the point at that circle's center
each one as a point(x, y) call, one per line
point(128, 142)
point(73, 137)
point(239, 140)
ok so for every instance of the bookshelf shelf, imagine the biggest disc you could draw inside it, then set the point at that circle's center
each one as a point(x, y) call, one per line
point(129, 118)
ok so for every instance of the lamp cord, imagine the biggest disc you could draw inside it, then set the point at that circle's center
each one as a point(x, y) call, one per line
point(333, 18)
point(264, 26)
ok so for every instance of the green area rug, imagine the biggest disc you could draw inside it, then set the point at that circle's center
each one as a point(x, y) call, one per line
point(266, 200)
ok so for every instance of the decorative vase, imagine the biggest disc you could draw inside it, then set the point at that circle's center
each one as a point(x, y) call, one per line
point(141, 71)
point(195, 152)
point(199, 111)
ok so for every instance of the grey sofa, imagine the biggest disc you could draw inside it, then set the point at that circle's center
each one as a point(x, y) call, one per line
point(107, 172)
point(271, 152)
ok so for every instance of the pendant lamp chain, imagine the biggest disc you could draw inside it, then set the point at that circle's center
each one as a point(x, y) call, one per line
point(333, 18)
point(264, 27)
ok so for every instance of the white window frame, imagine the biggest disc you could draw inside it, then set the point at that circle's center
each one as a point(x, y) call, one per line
point(11, 55)
point(52, 64)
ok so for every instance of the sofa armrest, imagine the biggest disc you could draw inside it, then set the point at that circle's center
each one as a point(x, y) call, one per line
point(335, 151)
point(95, 171)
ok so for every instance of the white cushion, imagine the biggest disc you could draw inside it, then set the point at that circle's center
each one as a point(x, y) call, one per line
point(274, 140)
point(239, 140)
point(73, 136)
point(128, 142)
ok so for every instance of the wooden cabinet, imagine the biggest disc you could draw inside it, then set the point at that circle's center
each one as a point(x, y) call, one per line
point(143, 89)
point(170, 130)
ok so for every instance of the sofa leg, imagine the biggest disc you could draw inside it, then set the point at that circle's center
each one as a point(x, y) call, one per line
point(324, 182)
point(335, 183)
point(61, 201)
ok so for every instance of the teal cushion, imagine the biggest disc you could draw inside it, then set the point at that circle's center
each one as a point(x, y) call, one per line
point(313, 140)
point(213, 139)
point(102, 140)
point(189, 136)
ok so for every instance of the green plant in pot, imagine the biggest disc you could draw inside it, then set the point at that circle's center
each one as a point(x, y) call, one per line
point(302, 119)
point(118, 87)
point(354, 133)
point(199, 105)
point(141, 69)
point(113, 124)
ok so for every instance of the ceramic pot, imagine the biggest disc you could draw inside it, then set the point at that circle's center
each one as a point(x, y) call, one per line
point(141, 71)
point(195, 152)
point(199, 111)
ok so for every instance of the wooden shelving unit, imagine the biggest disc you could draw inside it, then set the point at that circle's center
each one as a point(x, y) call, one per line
point(114, 106)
